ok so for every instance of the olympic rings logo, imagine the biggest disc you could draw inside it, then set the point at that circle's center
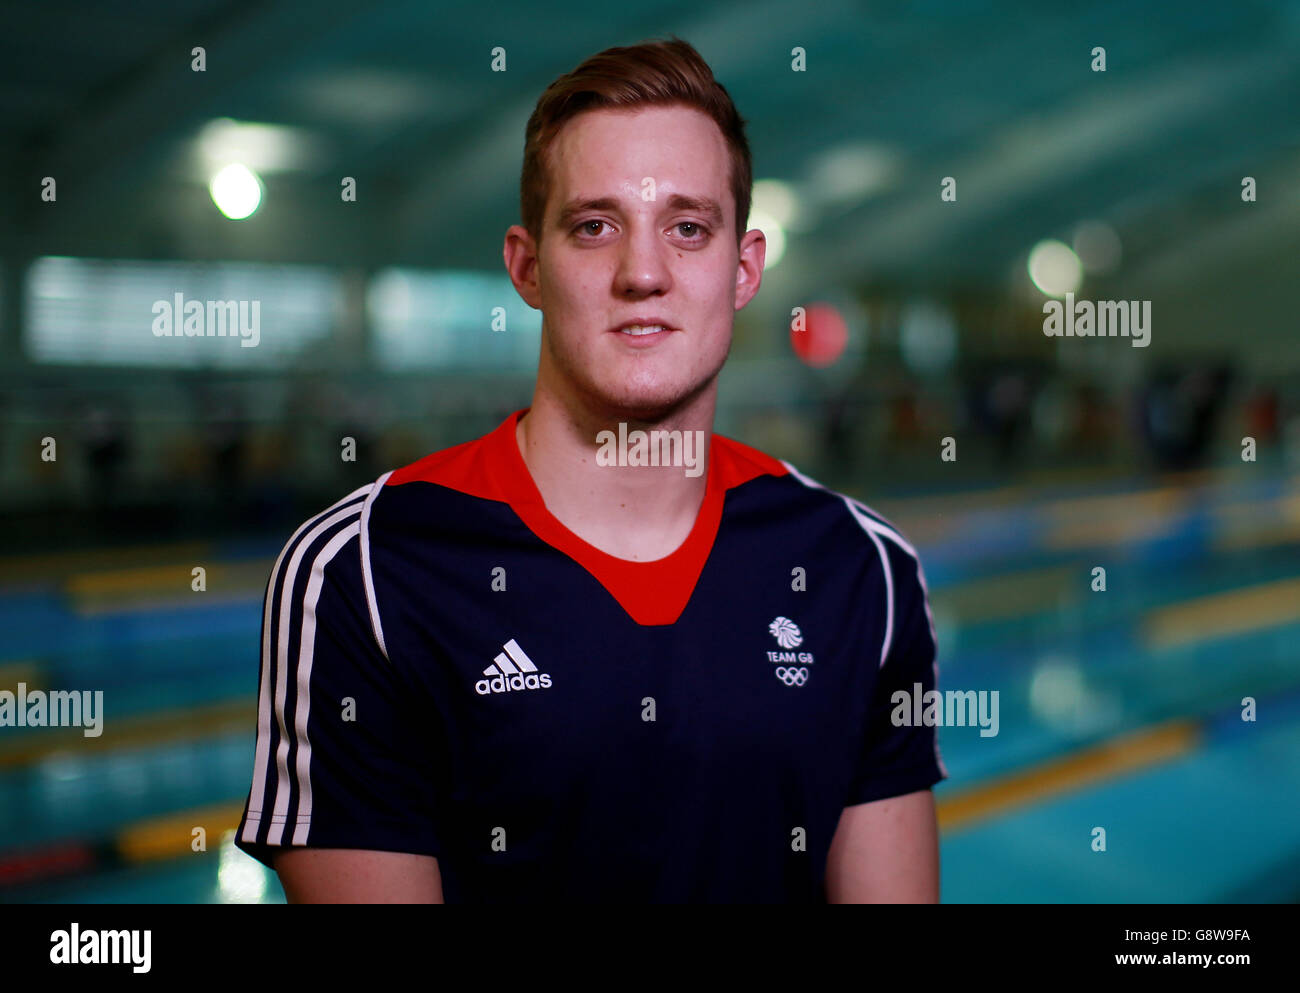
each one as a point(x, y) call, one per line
point(792, 676)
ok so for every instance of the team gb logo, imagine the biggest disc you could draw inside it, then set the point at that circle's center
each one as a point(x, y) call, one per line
point(786, 632)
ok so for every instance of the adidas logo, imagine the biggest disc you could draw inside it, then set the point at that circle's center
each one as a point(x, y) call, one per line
point(513, 670)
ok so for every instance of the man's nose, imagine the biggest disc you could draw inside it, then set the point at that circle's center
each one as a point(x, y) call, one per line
point(643, 263)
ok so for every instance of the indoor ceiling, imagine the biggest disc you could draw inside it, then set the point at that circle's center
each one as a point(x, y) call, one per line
point(896, 96)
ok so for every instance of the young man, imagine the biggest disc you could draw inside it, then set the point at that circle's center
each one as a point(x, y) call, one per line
point(531, 668)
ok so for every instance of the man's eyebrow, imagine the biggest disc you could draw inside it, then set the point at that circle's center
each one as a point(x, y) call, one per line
point(699, 205)
point(678, 201)
point(575, 207)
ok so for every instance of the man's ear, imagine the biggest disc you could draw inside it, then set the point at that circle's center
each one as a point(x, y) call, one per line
point(520, 256)
point(749, 270)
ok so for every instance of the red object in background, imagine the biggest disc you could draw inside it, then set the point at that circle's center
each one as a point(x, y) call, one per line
point(1262, 415)
point(824, 336)
point(56, 860)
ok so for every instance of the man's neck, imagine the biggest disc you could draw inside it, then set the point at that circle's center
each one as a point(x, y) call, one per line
point(637, 512)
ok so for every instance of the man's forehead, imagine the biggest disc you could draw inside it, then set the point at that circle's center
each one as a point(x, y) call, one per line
point(638, 120)
point(649, 149)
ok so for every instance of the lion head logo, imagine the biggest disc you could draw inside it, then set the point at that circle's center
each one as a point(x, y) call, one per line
point(786, 632)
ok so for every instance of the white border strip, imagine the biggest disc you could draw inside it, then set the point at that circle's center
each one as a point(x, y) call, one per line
point(866, 524)
point(864, 514)
point(366, 577)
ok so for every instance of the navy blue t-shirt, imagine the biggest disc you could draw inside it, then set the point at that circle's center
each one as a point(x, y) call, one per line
point(447, 670)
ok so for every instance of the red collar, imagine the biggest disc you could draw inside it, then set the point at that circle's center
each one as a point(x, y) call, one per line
point(651, 592)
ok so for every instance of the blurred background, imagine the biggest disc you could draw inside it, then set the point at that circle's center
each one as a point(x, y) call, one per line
point(128, 460)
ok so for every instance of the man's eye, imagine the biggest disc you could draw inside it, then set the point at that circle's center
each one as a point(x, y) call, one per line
point(691, 224)
point(585, 225)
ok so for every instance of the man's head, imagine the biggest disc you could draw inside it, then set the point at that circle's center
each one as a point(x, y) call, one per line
point(634, 197)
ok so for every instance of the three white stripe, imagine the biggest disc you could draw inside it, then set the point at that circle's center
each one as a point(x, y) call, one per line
point(522, 663)
point(284, 581)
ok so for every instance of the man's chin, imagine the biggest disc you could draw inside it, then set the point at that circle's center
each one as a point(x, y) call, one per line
point(645, 409)
point(646, 404)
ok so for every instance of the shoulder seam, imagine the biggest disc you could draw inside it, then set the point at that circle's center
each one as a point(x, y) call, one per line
point(877, 527)
point(367, 577)
point(871, 528)
point(874, 524)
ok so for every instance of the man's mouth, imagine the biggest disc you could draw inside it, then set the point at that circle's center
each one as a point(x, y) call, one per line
point(645, 331)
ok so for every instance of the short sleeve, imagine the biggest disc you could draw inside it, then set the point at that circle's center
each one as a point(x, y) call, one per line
point(341, 758)
point(896, 758)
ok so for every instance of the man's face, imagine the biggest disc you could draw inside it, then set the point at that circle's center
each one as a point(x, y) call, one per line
point(639, 225)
